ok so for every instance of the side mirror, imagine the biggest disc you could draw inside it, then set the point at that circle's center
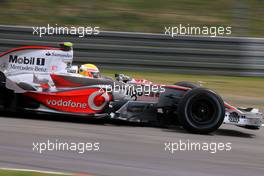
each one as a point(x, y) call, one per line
point(122, 78)
point(73, 69)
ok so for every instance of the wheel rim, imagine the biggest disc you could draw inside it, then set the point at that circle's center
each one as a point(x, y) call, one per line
point(202, 111)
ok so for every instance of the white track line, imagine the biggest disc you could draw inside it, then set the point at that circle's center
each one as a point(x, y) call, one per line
point(262, 125)
point(38, 171)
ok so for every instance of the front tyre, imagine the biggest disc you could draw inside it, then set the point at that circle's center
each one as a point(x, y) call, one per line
point(201, 111)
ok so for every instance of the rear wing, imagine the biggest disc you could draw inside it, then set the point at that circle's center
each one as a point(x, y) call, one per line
point(37, 59)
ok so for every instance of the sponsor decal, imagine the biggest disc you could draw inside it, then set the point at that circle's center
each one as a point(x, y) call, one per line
point(27, 68)
point(233, 117)
point(96, 101)
point(66, 103)
point(54, 67)
point(27, 63)
point(26, 60)
point(61, 54)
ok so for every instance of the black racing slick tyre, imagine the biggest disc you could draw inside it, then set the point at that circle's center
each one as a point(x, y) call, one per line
point(187, 84)
point(2, 89)
point(201, 111)
point(2, 79)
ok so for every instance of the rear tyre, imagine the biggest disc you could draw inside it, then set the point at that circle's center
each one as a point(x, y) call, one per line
point(7, 96)
point(2, 89)
point(187, 84)
point(2, 79)
point(201, 111)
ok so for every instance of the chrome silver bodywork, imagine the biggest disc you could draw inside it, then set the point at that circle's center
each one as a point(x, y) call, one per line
point(247, 118)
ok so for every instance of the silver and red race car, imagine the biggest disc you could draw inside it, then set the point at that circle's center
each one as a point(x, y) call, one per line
point(42, 79)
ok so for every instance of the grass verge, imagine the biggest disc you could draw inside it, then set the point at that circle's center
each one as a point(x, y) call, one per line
point(7, 172)
point(137, 15)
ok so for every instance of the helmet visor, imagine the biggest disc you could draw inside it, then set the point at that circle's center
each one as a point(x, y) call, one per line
point(96, 74)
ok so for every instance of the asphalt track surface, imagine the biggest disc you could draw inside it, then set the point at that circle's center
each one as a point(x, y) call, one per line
point(126, 149)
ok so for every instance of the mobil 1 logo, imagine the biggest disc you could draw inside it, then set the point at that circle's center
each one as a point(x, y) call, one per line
point(26, 60)
point(27, 63)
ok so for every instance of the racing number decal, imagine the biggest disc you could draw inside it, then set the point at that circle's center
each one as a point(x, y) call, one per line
point(233, 117)
point(98, 100)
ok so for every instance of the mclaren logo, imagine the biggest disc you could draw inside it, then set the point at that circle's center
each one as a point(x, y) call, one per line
point(102, 102)
point(27, 60)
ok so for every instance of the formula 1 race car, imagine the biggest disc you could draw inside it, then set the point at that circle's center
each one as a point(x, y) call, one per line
point(41, 79)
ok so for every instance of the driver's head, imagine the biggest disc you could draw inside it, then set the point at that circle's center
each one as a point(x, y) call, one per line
point(90, 71)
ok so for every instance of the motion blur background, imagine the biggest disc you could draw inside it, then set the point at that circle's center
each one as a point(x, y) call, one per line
point(190, 58)
point(245, 16)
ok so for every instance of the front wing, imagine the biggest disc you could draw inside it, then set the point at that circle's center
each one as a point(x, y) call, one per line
point(248, 118)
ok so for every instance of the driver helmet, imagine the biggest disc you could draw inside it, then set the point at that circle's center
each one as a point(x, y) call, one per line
point(90, 71)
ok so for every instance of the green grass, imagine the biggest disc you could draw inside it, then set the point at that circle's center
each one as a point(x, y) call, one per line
point(242, 91)
point(24, 173)
point(137, 15)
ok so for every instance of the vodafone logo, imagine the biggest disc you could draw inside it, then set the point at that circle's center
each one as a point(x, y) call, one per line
point(67, 103)
point(98, 100)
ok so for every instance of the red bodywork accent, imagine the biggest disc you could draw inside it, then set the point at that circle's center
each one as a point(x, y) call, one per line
point(228, 106)
point(61, 82)
point(73, 101)
point(177, 87)
point(99, 100)
point(29, 47)
point(45, 86)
